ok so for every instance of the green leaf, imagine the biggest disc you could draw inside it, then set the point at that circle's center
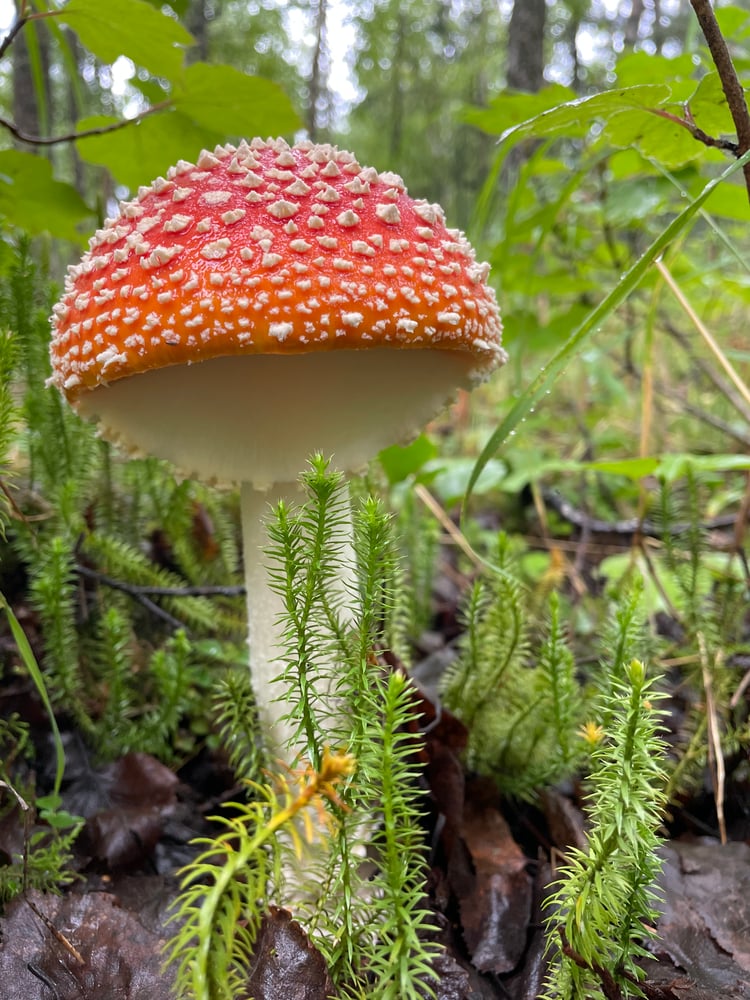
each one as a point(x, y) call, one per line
point(660, 137)
point(511, 108)
point(33, 200)
point(548, 375)
point(673, 467)
point(401, 461)
point(575, 118)
point(222, 98)
point(34, 671)
point(734, 21)
point(130, 28)
point(730, 202)
point(633, 68)
point(450, 482)
point(709, 108)
point(141, 151)
point(637, 199)
point(633, 468)
point(180, 7)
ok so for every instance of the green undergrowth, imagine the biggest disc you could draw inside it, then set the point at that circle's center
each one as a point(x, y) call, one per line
point(121, 588)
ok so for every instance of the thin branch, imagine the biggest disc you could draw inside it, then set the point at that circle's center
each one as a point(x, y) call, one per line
point(628, 526)
point(730, 83)
point(37, 140)
point(456, 536)
point(8, 40)
point(22, 21)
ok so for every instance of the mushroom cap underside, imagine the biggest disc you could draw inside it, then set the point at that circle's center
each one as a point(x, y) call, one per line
point(258, 418)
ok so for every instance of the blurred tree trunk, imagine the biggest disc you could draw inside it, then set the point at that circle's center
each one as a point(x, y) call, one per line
point(31, 110)
point(633, 23)
point(196, 23)
point(397, 89)
point(74, 112)
point(318, 84)
point(526, 45)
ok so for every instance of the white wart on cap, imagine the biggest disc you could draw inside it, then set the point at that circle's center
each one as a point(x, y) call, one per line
point(270, 301)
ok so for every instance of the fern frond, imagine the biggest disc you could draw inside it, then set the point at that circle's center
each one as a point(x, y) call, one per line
point(234, 705)
point(52, 591)
point(125, 561)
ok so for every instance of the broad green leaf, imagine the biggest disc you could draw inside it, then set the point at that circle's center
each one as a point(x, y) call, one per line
point(635, 67)
point(548, 375)
point(180, 7)
point(634, 200)
point(734, 21)
point(512, 108)
point(657, 136)
point(709, 108)
point(231, 102)
point(730, 202)
point(575, 118)
point(673, 467)
point(633, 468)
point(449, 483)
point(141, 151)
point(33, 200)
point(132, 28)
point(401, 461)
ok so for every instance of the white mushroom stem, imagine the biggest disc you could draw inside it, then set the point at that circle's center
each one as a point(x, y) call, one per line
point(265, 608)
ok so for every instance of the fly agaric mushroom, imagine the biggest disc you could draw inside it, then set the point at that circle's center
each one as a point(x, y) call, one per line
point(261, 304)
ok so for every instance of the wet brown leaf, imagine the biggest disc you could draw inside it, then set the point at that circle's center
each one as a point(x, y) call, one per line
point(487, 871)
point(285, 963)
point(703, 931)
point(103, 951)
point(141, 793)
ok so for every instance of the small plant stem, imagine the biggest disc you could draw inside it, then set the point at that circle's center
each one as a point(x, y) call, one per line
point(730, 83)
point(647, 411)
point(708, 338)
point(715, 754)
point(454, 533)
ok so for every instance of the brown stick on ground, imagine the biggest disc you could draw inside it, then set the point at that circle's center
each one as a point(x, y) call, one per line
point(730, 83)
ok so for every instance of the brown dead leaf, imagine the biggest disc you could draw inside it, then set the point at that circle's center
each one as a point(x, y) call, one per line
point(141, 793)
point(703, 930)
point(121, 959)
point(285, 963)
point(487, 871)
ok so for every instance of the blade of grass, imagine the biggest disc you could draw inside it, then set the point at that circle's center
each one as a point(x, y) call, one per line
point(29, 660)
point(703, 330)
point(536, 391)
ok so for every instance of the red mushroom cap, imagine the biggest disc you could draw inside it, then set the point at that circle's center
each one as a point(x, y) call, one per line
point(265, 249)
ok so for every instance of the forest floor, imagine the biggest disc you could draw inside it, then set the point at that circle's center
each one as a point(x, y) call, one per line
point(489, 862)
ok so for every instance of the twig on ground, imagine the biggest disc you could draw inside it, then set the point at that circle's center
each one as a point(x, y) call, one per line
point(144, 594)
point(627, 526)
